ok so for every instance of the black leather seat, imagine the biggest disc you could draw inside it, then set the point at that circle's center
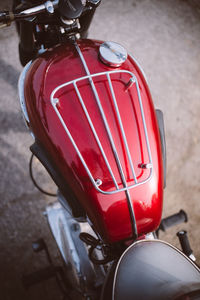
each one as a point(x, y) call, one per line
point(151, 270)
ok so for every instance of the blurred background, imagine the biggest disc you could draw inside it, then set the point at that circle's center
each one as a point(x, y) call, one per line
point(164, 36)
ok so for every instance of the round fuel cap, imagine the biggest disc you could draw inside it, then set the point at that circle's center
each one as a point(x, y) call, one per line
point(112, 54)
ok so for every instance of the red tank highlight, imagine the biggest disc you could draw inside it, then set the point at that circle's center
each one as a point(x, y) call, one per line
point(101, 133)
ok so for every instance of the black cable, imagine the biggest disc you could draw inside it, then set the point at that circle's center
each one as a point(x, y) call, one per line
point(34, 181)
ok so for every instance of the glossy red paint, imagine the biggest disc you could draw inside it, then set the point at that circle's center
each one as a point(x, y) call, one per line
point(108, 213)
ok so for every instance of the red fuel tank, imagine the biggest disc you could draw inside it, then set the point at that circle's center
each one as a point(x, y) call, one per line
point(97, 123)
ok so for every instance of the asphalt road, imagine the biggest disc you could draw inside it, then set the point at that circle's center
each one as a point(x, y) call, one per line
point(164, 36)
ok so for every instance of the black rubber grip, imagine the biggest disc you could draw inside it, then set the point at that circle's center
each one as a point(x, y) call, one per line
point(175, 219)
point(185, 245)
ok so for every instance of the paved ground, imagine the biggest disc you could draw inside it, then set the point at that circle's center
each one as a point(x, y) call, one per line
point(165, 38)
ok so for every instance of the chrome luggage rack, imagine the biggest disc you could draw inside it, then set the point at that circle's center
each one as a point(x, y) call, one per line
point(97, 182)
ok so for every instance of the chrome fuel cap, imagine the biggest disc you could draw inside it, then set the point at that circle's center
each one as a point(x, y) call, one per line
point(112, 54)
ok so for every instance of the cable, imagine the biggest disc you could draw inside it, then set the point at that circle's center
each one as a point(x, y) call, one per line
point(34, 181)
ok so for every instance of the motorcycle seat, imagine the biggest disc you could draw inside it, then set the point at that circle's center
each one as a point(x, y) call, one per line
point(153, 269)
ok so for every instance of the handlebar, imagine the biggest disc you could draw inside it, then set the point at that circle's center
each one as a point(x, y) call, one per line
point(6, 17)
point(48, 6)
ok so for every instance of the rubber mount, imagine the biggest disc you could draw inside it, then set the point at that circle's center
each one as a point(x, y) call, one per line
point(70, 9)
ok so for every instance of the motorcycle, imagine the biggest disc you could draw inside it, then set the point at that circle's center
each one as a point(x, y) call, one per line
point(95, 129)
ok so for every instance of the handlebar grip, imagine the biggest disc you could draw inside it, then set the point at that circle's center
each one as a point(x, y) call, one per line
point(175, 219)
point(185, 245)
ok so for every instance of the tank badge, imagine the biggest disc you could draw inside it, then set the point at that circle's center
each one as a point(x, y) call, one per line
point(112, 54)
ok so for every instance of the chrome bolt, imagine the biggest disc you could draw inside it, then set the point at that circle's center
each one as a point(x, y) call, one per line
point(146, 166)
point(98, 182)
point(130, 83)
point(55, 101)
point(49, 7)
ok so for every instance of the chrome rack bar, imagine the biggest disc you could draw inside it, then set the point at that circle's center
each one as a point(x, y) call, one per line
point(54, 104)
point(112, 143)
point(130, 205)
point(144, 124)
point(121, 127)
point(95, 134)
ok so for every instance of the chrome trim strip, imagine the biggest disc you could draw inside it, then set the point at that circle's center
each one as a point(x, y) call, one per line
point(103, 116)
point(130, 205)
point(21, 90)
point(132, 214)
point(147, 241)
point(82, 59)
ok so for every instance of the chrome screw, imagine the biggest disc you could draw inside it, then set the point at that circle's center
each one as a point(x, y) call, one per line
point(98, 182)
